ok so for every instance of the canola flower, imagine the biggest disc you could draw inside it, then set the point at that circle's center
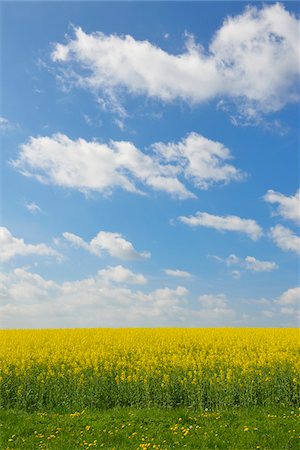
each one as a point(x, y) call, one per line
point(207, 368)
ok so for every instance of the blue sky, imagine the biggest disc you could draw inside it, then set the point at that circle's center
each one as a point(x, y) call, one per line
point(150, 162)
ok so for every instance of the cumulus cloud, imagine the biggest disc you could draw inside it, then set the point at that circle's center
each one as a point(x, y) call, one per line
point(178, 273)
point(288, 206)
point(105, 299)
point(112, 243)
point(252, 59)
point(201, 159)
point(25, 286)
point(21, 285)
point(11, 246)
point(290, 297)
point(215, 306)
point(289, 302)
point(112, 298)
point(32, 207)
point(165, 296)
point(285, 239)
point(94, 166)
point(120, 274)
point(27, 300)
point(212, 301)
point(224, 223)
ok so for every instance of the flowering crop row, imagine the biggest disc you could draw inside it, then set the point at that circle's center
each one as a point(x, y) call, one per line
point(148, 367)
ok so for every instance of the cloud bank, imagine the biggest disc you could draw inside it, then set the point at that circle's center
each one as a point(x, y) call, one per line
point(28, 300)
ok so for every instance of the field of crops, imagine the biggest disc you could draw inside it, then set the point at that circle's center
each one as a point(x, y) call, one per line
point(103, 368)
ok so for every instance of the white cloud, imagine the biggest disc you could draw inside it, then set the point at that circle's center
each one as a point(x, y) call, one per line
point(288, 206)
point(76, 241)
point(28, 300)
point(213, 301)
point(285, 239)
point(6, 125)
point(231, 259)
point(252, 58)
point(290, 297)
point(112, 243)
point(289, 311)
point(105, 299)
point(248, 263)
point(201, 159)
point(94, 166)
point(224, 223)
point(256, 265)
point(166, 295)
point(215, 306)
point(11, 246)
point(29, 286)
point(32, 207)
point(178, 273)
point(289, 302)
point(120, 274)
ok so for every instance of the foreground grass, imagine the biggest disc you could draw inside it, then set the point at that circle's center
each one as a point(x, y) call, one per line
point(130, 428)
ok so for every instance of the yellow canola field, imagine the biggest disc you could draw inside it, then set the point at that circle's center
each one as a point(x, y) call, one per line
point(164, 367)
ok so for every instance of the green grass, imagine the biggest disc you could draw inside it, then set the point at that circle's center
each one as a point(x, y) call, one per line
point(131, 428)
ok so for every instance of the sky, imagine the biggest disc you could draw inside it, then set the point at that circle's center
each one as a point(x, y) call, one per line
point(149, 164)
